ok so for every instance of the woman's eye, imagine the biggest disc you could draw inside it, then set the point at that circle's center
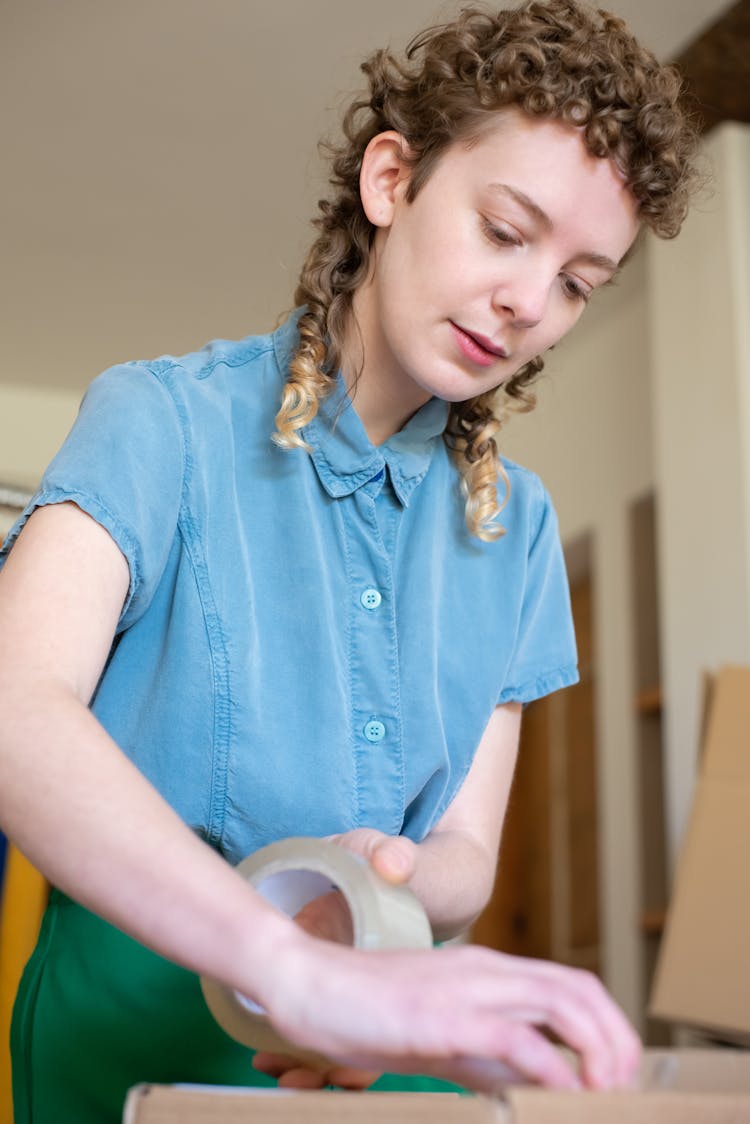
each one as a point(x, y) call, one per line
point(501, 235)
point(574, 290)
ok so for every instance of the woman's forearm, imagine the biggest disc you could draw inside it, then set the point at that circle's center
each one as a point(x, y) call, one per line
point(96, 828)
point(453, 880)
point(71, 799)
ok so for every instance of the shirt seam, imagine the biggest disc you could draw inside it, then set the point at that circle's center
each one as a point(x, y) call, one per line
point(92, 504)
point(255, 347)
point(541, 685)
point(217, 647)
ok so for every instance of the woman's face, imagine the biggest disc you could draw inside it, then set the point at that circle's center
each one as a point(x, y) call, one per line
point(494, 260)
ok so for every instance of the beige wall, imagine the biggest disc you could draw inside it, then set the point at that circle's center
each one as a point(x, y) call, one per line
point(700, 349)
point(34, 423)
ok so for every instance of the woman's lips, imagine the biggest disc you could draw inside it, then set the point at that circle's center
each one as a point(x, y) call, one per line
point(479, 349)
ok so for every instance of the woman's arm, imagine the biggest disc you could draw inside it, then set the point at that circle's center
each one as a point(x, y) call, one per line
point(69, 797)
point(93, 824)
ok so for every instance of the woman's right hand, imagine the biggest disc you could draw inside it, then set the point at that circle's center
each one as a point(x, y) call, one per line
point(465, 1013)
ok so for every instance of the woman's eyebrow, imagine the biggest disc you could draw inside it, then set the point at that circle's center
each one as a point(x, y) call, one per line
point(540, 216)
point(601, 261)
point(533, 209)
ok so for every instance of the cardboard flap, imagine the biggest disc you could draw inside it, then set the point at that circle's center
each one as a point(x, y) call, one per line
point(702, 975)
point(697, 1071)
point(165, 1104)
point(545, 1107)
point(674, 1087)
point(726, 752)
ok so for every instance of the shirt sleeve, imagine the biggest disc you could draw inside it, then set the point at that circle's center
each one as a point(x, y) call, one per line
point(545, 656)
point(122, 463)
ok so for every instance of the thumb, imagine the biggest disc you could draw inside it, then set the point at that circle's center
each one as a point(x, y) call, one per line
point(393, 857)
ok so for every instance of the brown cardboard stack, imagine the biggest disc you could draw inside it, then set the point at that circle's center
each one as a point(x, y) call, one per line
point(703, 976)
point(703, 979)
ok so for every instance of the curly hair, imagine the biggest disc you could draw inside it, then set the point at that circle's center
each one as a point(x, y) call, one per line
point(555, 59)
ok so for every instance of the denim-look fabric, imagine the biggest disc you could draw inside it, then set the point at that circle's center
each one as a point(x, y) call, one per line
point(311, 642)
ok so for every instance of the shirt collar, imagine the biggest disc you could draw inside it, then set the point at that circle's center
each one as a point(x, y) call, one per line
point(344, 457)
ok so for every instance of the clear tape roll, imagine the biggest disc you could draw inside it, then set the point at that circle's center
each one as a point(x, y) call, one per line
point(291, 873)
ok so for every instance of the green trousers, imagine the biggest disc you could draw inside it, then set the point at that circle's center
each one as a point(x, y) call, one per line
point(97, 1012)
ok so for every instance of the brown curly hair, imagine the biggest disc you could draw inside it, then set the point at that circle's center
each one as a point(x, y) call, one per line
point(552, 59)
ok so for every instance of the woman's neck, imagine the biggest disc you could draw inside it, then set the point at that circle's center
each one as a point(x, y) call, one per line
point(382, 395)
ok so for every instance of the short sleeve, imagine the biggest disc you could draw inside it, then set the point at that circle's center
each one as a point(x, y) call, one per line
point(122, 463)
point(544, 658)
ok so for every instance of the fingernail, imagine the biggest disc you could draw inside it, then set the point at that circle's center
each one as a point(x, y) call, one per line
point(604, 1080)
point(574, 1083)
point(400, 860)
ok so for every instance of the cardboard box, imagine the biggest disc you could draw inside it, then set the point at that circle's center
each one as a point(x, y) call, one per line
point(677, 1087)
point(703, 973)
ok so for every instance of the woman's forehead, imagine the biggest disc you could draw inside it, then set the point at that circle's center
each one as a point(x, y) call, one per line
point(541, 169)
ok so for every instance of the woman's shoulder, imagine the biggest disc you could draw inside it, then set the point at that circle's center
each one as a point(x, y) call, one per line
point(216, 381)
point(214, 363)
point(526, 488)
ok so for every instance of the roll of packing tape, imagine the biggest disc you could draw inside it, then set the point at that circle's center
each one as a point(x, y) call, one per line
point(291, 873)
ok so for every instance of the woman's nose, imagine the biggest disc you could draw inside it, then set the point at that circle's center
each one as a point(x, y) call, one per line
point(523, 299)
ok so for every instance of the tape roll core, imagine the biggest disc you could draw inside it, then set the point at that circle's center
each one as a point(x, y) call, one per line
point(291, 873)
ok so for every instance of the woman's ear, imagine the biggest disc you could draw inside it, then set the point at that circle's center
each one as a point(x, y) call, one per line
point(384, 171)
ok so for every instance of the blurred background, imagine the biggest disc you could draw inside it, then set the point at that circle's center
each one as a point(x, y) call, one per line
point(160, 170)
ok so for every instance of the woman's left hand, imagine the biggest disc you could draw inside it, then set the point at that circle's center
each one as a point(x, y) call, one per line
point(394, 858)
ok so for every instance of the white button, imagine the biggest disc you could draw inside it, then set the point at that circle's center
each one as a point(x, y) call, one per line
point(370, 598)
point(374, 730)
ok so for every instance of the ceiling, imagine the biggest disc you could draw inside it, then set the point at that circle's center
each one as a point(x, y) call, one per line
point(160, 164)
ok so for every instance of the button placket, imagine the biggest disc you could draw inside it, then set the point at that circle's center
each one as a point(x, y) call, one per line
point(374, 663)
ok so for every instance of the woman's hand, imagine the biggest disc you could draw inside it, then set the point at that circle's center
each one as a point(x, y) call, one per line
point(393, 857)
point(465, 1014)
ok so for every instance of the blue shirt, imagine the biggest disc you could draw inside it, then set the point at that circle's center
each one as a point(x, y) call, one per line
point(311, 642)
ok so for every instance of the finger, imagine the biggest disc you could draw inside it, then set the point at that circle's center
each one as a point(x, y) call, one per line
point(619, 1049)
point(290, 1072)
point(530, 1054)
point(347, 1077)
point(394, 859)
point(527, 1059)
point(616, 1032)
point(565, 1005)
point(328, 917)
point(273, 1064)
point(514, 1055)
point(302, 1078)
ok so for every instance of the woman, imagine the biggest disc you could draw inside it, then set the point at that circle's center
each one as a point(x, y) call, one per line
point(228, 641)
